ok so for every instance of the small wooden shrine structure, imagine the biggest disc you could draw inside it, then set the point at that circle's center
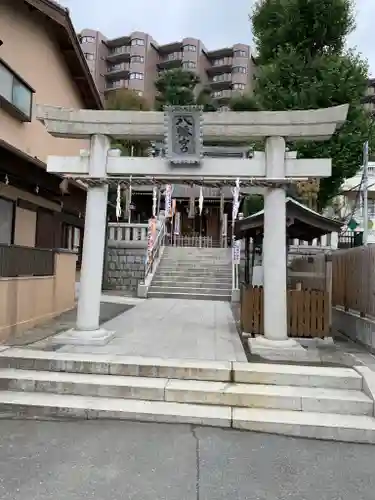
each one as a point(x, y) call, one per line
point(308, 277)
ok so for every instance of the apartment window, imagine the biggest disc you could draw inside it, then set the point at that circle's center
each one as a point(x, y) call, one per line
point(137, 41)
point(239, 69)
point(218, 93)
point(222, 78)
point(88, 56)
point(189, 64)
point(88, 39)
point(137, 59)
point(240, 53)
point(15, 95)
point(238, 86)
point(189, 48)
point(137, 76)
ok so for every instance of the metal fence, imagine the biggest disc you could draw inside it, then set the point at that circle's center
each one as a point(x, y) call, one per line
point(18, 261)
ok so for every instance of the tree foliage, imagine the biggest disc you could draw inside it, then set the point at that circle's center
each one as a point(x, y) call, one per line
point(128, 100)
point(176, 87)
point(303, 64)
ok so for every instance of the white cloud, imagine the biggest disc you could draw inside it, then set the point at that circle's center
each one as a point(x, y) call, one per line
point(216, 22)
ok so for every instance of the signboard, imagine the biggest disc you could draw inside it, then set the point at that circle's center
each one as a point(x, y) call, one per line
point(236, 252)
point(183, 134)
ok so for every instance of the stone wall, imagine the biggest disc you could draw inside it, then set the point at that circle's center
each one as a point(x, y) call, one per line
point(124, 265)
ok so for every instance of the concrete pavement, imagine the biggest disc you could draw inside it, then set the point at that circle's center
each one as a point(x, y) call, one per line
point(173, 328)
point(117, 461)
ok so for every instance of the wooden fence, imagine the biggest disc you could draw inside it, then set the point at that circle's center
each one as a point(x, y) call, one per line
point(309, 312)
point(353, 280)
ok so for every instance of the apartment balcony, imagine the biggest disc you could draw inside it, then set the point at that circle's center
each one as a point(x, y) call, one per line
point(117, 85)
point(221, 81)
point(221, 95)
point(170, 61)
point(118, 70)
point(221, 65)
point(118, 54)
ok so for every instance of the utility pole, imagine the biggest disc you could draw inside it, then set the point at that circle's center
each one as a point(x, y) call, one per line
point(365, 193)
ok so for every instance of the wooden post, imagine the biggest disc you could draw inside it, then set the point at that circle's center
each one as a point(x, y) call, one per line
point(328, 262)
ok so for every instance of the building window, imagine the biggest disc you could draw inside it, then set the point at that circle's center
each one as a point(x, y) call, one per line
point(189, 64)
point(239, 69)
point(137, 59)
point(88, 39)
point(238, 86)
point(137, 76)
point(15, 95)
point(6, 221)
point(223, 77)
point(89, 56)
point(137, 41)
point(189, 48)
point(240, 53)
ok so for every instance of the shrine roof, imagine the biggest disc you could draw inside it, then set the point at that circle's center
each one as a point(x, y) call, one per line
point(303, 223)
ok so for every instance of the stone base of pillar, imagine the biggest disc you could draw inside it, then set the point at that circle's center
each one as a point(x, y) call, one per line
point(79, 337)
point(278, 350)
point(236, 296)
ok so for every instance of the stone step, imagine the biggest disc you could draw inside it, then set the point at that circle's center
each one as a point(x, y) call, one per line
point(328, 426)
point(194, 279)
point(189, 391)
point(42, 405)
point(332, 427)
point(195, 291)
point(188, 296)
point(205, 260)
point(196, 272)
point(191, 270)
point(182, 369)
point(186, 284)
point(313, 399)
point(130, 366)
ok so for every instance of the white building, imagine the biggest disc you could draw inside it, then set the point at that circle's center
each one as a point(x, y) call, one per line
point(349, 205)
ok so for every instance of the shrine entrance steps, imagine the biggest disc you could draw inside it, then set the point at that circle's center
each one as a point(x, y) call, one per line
point(305, 401)
point(193, 273)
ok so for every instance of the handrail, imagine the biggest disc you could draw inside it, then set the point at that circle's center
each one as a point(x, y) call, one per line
point(153, 255)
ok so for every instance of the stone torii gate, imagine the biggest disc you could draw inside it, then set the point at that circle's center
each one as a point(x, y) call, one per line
point(184, 129)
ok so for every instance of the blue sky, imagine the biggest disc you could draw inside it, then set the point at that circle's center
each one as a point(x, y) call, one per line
point(216, 22)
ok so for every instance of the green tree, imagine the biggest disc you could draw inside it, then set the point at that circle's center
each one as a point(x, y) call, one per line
point(252, 204)
point(176, 87)
point(303, 64)
point(128, 100)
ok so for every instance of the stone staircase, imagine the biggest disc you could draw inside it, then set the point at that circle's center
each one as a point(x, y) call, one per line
point(193, 273)
point(315, 402)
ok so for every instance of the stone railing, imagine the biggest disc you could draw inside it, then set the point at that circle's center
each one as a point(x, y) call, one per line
point(123, 231)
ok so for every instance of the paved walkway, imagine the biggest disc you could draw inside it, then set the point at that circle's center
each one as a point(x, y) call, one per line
point(130, 460)
point(171, 328)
